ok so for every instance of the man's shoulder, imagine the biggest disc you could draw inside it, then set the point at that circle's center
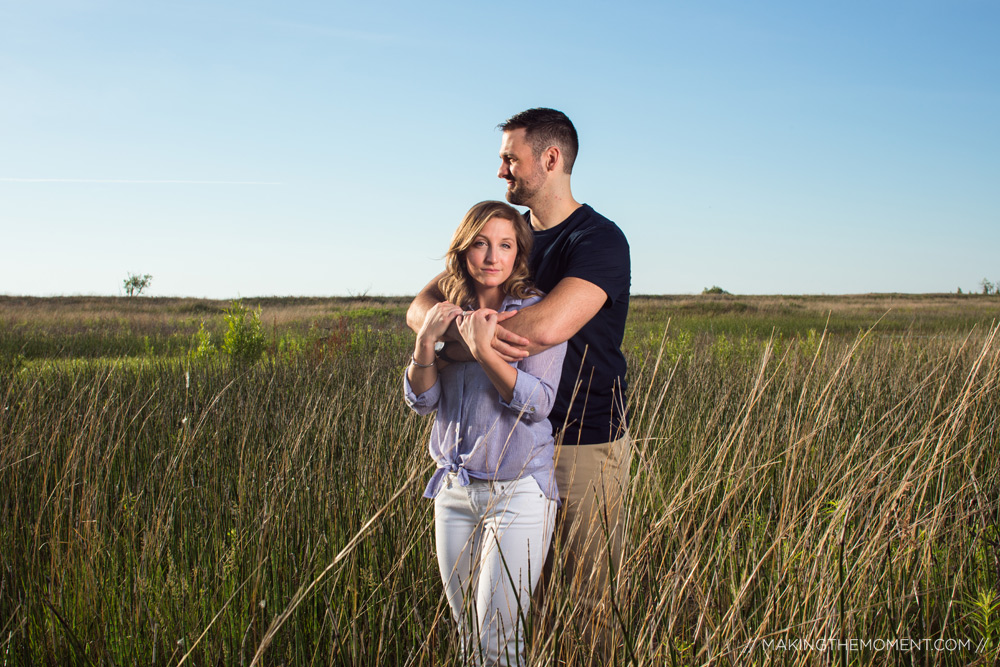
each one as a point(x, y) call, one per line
point(590, 213)
point(593, 224)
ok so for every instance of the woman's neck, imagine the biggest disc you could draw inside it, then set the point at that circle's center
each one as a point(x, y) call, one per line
point(490, 297)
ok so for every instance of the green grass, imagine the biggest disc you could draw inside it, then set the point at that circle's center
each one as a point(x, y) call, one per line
point(792, 485)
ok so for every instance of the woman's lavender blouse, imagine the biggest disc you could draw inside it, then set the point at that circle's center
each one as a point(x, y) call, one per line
point(477, 434)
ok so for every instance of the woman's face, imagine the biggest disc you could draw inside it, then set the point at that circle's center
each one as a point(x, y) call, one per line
point(490, 258)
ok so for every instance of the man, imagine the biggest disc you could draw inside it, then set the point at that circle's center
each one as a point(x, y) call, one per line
point(581, 261)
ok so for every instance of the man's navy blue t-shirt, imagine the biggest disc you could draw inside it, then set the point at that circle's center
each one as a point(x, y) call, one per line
point(587, 245)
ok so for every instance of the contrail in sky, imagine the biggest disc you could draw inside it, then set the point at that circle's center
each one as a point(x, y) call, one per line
point(131, 181)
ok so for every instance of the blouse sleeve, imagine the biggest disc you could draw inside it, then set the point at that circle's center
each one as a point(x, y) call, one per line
point(426, 402)
point(536, 383)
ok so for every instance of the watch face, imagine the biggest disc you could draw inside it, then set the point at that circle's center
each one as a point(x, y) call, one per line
point(438, 346)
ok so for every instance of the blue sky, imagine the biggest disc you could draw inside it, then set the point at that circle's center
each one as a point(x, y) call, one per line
point(323, 148)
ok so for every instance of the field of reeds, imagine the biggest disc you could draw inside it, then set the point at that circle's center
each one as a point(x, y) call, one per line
point(816, 482)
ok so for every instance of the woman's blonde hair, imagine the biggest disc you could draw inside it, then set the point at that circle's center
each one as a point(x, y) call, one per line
point(457, 285)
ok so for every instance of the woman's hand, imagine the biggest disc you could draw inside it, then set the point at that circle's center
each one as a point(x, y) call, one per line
point(436, 323)
point(478, 329)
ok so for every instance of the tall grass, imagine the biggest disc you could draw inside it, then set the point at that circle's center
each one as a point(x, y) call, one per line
point(835, 487)
point(851, 495)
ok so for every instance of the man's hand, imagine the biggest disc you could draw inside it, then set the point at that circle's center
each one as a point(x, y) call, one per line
point(510, 346)
point(458, 350)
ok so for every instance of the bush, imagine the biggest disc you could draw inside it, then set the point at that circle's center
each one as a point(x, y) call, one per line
point(135, 283)
point(244, 340)
point(205, 348)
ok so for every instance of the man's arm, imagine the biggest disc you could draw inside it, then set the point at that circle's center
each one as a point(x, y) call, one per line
point(428, 297)
point(555, 319)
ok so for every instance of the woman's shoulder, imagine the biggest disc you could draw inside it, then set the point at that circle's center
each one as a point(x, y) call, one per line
point(513, 302)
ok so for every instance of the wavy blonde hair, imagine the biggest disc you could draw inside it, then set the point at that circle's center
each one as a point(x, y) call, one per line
point(457, 285)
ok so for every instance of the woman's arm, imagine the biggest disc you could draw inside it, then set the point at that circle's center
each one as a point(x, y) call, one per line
point(537, 382)
point(478, 329)
point(422, 372)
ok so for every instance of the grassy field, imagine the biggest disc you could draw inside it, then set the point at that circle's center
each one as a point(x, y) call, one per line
point(810, 472)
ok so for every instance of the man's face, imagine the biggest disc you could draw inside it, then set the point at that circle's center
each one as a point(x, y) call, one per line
point(524, 174)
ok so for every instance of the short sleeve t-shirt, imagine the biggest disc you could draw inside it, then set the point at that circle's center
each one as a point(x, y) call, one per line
point(588, 246)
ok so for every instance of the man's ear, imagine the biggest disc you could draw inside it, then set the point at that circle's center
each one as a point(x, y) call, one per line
point(550, 158)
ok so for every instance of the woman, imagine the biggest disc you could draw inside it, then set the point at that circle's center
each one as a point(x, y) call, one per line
point(494, 490)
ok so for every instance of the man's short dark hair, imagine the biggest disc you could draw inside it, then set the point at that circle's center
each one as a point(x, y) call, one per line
point(546, 127)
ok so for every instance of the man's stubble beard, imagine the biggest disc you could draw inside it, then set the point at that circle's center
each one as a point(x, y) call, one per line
point(522, 193)
point(516, 198)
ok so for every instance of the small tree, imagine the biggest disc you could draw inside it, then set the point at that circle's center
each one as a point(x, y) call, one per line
point(714, 289)
point(988, 287)
point(135, 283)
point(244, 340)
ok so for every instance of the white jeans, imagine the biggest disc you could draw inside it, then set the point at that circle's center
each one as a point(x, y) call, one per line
point(492, 539)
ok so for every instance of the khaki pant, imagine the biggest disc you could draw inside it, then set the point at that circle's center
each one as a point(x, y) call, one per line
point(593, 482)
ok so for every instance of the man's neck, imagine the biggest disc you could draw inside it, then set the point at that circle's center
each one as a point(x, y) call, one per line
point(552, 212)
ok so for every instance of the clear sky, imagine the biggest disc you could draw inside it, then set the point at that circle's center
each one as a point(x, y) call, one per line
point(330, 148)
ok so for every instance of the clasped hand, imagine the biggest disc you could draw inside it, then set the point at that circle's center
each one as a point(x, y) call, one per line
point(478, 328)
point(481, 331)
point(476, 332)
point(437, 321)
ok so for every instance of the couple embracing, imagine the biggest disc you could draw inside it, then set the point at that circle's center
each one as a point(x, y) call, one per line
point(519, 351)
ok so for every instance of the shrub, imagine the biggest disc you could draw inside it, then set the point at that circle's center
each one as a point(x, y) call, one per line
point(135, 283)
point(244, 339)
point(205, 348)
